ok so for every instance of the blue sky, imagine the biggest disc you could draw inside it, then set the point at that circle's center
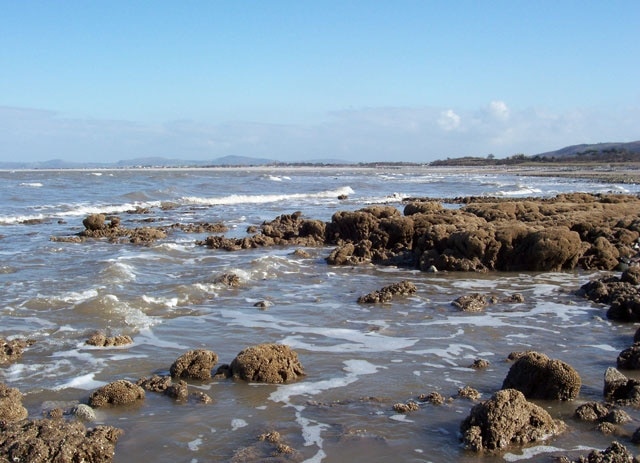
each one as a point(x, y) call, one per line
point(296, 80)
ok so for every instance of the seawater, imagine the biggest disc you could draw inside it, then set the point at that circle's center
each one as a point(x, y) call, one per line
point(359, 359)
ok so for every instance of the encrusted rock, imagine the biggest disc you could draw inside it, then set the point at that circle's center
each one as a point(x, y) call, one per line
point(94, 222)
point(539, 377)
point(591, 411)
point(11, 408)
point(268, 363)
point(615, 453)
point(121, 392)
point(468, 392)
point(387, 293)
point(101, 340)
point(11, 351)
point(410, 406)
point(156, 383)
point(194, 364)
point(505, 420)
point(471, 303)
point(229, 279)
point(480, 364)
point(434, 398)
point(46, 440)
point(620, 389)
point(629, 358)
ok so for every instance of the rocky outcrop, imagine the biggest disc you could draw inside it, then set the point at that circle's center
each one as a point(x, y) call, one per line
point(539, 377)
point(11, 408)
point(505, 420)
point(629, 358)
point(471, 303)
point(622, 294)
point(56, 440)
point(194, 364)
point(102, 340)
point(615, 453)
point(600, 413)
point(267, 363)
point(387, 293)
point(11, 351)
point(178, 391)
point(621, 390)
point(117, 393)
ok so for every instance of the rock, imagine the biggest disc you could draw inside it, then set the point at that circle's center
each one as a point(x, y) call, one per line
point(539, 377)
point(615, 453)
point(94, 222)
point(631, 275)
point(121, 392)
point(11, 351)
point(623, 297)
point(228, 279)
point(410, 406)
point(468, 392)
point(479, 364)
point(621, 390)
point(591, 411)
point(156, 383)
point(387, 293)
point(84, 412)
point(505, 420)
point(629, 358)
point(11, 408)
point(268, 363)
point(194, 364)
point(178, 391)
point(434, 398)
point(471, 303)
point(270, 447)
point(101, 340)
point(45, 440)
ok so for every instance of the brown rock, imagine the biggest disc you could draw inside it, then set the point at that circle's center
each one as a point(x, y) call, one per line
point(101, 340)
point(11, 351)
point(505, 420)
point(591, 411)
point(410, 406)
point(156, 383)
point(387, 293)
point(11, 408)
point(268, 363)
point(45, 440)
point(94, 222)
point(195, 364)
point(629, 358)
point(121, 392)
point(539, 377)
point(615, 453)
point(434, 398)
point(620, 389)
point(471, 303)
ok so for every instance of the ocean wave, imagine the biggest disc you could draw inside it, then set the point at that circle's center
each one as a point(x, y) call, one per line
point(262, 199)
point(32, 184)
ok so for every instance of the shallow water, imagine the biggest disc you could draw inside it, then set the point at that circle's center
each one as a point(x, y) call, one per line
point(359, 359)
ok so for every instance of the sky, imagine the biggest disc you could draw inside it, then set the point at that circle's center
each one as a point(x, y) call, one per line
point(357, 80)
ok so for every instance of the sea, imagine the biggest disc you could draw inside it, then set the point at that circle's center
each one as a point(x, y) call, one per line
point(359, 359)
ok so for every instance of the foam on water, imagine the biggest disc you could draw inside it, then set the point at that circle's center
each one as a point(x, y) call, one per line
point(263, 199)
point(85, 382)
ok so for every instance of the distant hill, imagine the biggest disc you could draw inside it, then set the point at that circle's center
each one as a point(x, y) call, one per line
point(149, 162)
point(595, 150)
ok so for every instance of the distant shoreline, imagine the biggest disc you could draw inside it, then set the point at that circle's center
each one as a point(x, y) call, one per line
point(613, 173)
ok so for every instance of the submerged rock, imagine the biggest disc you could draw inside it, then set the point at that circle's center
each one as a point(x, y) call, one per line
point(471, 303)
point(387, 293)
point(615, 453)
point(505, 420)
point(267, 363)
point(194, 364)
point(101, 340)
point(11, 351)
point(47, 440)
point(121, 392)
point(621, 390)
point(539, 377)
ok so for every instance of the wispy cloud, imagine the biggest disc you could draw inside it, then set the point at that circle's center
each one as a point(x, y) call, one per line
point(367, 134)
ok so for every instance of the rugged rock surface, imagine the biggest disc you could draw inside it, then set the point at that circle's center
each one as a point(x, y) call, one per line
point(121, 392)
point(194, 364)
point(101, 340)
point(615, 453)
point(47, 440)
point(11, 351)
point(622, 295)
point(11, 408)
point(629, 358)
point(600, 413)
point(270, 447)
point(539, 377)
point(178, 391)
point(387, 293)
point(267, 363)
point(505, 420)
point(621, 390)
point(471, 303)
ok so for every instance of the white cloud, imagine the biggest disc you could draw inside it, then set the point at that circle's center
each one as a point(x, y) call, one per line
point(370, 134)
point(499, 110)
point(449, 120)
